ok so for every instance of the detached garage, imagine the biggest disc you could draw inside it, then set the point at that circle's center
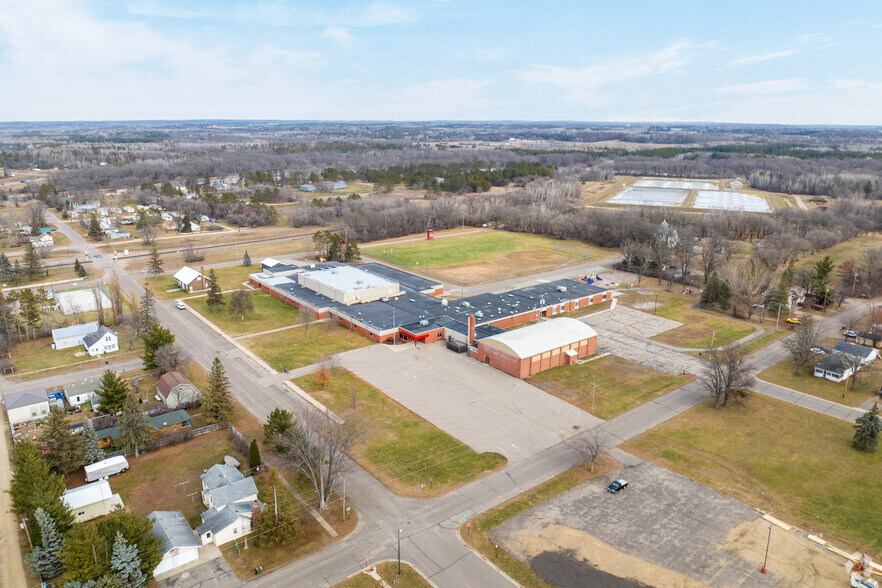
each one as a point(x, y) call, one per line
point(180, 545)
point(530, 350)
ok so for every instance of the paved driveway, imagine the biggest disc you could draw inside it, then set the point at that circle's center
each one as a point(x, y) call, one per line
point(479, 405)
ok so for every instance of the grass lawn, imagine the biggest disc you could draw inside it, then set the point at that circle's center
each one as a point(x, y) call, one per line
point(388, 571)
point(784, 374)
point(765, 340)
point(153, 481)
point(850, 250)
point(312, 536)
point(478, 536)
point(791, 461)
point(229, 278)
point(697, 330)
point(621, 384)
point(400, 448)
point(487, 255)
point(269, 313)
point(294, 348)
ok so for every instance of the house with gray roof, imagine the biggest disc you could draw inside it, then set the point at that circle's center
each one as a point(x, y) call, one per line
point(72, 336)
point(867, 354)
point(835, 367)
point(81, 392)
point(180, 545)
point(230, 498)
point(26, 406)
point(101, 341)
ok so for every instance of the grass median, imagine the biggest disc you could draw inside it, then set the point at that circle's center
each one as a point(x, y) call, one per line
point(269, 313)
point(294, 348)
point(411, 456)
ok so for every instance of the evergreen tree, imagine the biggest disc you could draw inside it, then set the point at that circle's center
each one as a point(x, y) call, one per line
point(253, 455)
point(147, 309)
point(218, 401)
point(716, 292)
point(81, 271)
point(65, 450)
point(95, 231)
point(276, 525)
point(154, 266)
point(32, 263)
point(867, 429)
point(186, 226)
point(352, 252)
point(155, 338)
point(92, 452)
point(34, 485)
point(215, 297)
point(821, 278)
point(134, 427)
point(126, 563)
point(44, 560)
point(29, 309)
point(278, 425)
point(246, 259)
point(112, 393)
point(6, 270)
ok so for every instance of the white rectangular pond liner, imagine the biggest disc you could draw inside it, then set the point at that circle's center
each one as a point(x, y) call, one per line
point(74, 301)
point(731, 201)
point(675, 184)
point(650, 197)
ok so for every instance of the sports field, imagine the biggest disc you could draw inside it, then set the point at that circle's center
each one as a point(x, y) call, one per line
point(485, 256)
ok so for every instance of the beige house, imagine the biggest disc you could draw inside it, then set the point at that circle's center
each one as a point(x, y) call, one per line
point(176, 390)
point(26, 406)
point(91, 501)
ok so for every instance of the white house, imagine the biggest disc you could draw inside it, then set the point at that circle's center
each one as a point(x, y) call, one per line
point(180, 545)
point(25, 406)
point(867, 354)
point(67, 337)
point(91, 501)
point(82, 392)
point(101, 341)
point(190, 280)
point(44, 240)
point(835, 367)
point(230, 498)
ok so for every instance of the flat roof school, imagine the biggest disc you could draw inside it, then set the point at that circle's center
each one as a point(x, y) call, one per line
point(384, 303)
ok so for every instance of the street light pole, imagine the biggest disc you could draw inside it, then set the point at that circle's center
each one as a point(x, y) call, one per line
point(713, 337)
point(399, 552)
point(655, 309)
point(766, 559)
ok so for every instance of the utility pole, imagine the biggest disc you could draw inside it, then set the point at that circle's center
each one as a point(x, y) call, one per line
point(399, 552)
point(344, 499)
point(275, 502)
point(28, 531)
point(593, 394)
point(766, 559)
point(655, 309)
point(713, 337)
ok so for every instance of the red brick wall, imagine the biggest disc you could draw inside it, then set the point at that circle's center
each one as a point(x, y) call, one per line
point(524, 368)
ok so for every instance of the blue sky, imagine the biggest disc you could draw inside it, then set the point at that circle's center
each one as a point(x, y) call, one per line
point(800, 62)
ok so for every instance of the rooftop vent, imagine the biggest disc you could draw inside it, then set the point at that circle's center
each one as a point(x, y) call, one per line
point(384, 299)
point(443, 303)
point(466, 303)
point(478, 314)
point(562, 288)
point(424, 322)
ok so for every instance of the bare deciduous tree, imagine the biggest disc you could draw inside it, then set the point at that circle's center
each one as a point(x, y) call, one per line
point(860, 370)
point(169, 358)
point(590, 445)
point(801, 343)
point(725, 372)
point(318, 446)
point(99, 306)
point(749, 281)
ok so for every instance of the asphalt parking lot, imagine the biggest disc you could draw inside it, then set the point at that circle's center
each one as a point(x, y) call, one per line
point(631, 323)
point(481, 406)
point(663, 520)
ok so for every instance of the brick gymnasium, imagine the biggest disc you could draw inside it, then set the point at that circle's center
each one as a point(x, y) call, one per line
point(386, 304)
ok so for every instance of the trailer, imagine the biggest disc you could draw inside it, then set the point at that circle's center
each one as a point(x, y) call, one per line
point(106, 468)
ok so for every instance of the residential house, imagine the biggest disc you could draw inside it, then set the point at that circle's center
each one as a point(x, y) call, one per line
point(835, 367)
point(118, 234)
point(91, 501)
point(180, 545)
point(190, 280)
point(81, 392)
point(101, 342)
point(867, 354)
point(307, 188)
point(340, 185)
point(176, 390)
point(44, 240)
point(67, 337)
point(26, 406)
point(230, 498)
point(163, 423)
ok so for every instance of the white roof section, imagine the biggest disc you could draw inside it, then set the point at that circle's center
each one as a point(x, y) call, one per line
point(75, 330)
point(185, 275)
point(347, 278)
point(541, 337)
point(89, 494)
point(271, 262)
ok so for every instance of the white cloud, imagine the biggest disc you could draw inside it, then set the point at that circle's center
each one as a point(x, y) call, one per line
point(765, 57)
point(582, 85)
point(766, 87)
point(339, 35)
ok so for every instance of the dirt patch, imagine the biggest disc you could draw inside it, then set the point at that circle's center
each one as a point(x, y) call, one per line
point(593, 553)
point(791, 557)
point(644, 306)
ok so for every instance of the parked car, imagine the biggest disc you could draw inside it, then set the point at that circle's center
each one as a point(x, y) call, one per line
point(817, 350)
point(617, 485)
point(180, 306)
point(851, 334)
point(794, 321)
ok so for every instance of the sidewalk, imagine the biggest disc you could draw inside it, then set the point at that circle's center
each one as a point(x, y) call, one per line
point(833, 409)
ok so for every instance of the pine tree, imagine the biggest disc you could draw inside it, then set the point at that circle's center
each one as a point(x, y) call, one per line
point(92, 452)
point(867, 429)
point(44, 560)
point(218, 402)
point(147, 309)
point(81, 271)
point(94, 228)
point(65, 449)
point(6, 271)
point(32, 263)
point(112, 393)
point(134, 427)
point(215, 297)
point(246, 259)
point(17, 274)
point(155, 338)
point(126, 563)
point(253, 455)
point(154, 266)
point(186, 227)
point(275, 525)
point(34, 485)
point(29, 309)
point(352, 252)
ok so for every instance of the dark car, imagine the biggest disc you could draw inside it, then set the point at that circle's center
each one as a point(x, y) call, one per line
point(617, 485)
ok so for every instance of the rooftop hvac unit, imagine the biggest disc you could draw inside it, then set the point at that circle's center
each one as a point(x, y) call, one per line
point(312, 266)
point(562, 288)
point(541, 301)
point(479, 314)
point(384, 299)
point(466, 303)
point(443, 303)
point(424, 323)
